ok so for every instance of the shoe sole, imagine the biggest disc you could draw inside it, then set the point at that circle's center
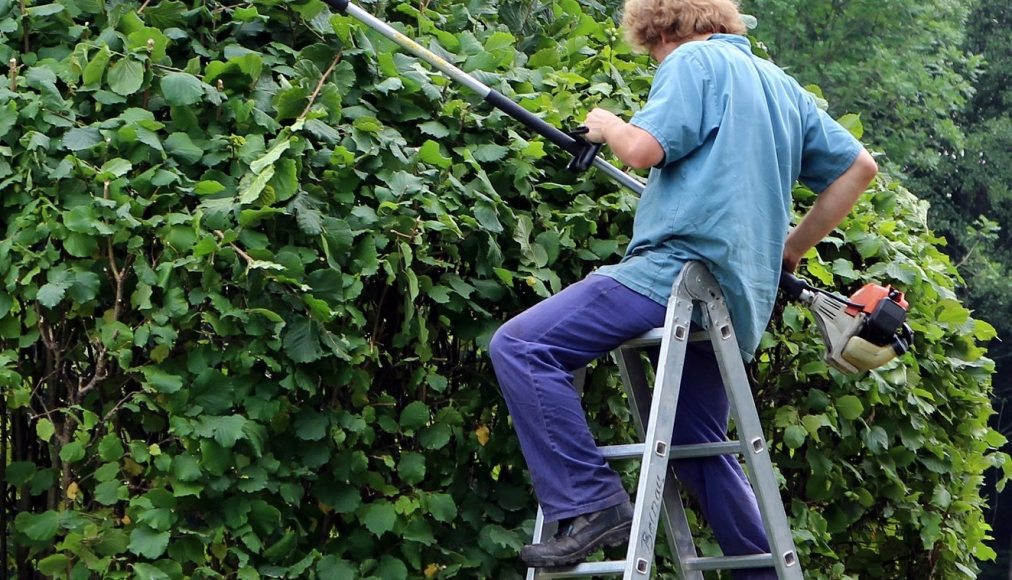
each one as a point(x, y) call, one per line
point(613, 537)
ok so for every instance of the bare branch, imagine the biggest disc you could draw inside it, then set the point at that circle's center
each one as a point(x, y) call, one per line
point(319, 85)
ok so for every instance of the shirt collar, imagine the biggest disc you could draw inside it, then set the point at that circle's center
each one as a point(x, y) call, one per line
point(737, 40)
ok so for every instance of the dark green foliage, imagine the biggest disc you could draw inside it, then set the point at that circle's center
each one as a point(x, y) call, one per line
point(251, 258)
point(900, 63)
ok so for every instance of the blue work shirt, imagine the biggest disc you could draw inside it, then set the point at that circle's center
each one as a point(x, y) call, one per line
point(737, 132)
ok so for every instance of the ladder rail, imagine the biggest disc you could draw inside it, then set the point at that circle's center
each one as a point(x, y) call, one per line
point(676, 522)
point(755, 451)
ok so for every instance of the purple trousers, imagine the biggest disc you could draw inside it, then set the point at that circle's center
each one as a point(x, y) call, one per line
point(534, 355)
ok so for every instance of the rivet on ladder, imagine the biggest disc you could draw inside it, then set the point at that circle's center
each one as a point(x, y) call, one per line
point(642, 565)
point(790, 559)
point(757, 445)
point(661, 448)
point(680, 333)
point(725, 331)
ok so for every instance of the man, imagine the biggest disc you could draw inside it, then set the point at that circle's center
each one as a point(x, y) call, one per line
point(726, 136)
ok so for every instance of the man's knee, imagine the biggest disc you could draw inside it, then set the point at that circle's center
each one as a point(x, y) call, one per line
point(504, 345)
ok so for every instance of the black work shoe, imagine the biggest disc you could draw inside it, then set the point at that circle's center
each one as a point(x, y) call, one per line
point(581, 537)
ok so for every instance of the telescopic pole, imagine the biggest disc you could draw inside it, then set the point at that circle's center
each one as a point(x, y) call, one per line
point(584, 153)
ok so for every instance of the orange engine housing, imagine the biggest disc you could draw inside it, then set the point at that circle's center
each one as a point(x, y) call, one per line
point(870, 295)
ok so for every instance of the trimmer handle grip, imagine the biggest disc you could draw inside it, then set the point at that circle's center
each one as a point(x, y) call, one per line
point(584, 151)
point(792, 285)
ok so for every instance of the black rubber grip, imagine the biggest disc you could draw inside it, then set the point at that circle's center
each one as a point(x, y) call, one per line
point(532, 122)
point(792, 285)
point(339, 5)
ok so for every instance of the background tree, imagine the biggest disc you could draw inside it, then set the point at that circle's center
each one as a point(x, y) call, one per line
point(900, 63)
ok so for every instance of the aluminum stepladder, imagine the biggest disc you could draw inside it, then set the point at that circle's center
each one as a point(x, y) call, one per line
point(657, 493)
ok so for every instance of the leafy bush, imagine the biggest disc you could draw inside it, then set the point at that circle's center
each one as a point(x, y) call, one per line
point(252, 257)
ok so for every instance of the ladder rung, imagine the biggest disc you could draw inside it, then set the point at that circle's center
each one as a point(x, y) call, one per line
point(653, 337)
point(628, 451)
point(729, 562)
point(585, 569)
point(634, 450)
point(705, 449)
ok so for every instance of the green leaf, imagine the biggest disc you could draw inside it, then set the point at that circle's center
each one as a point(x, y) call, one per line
point(8, 117)
point(331, 566)
point(114, 168)
point(487, 217)
point(852, 123)
point(162, 381)
point(302, 341)
point(44, 10)
point(150, 40)
point(72, 452)
point(435, 436)
point(270, 157)
point(52, 293)
point(379, 518)
point(281, 548)
point(45, 429)
point(125, 77)
point(311, 425)
point(208, 187)
point(110, 448)
point(850, 407)
point(180, 145)
point(411, 468)
point(19, 473)
point(78, 139)
point(794, 436)
point(144, 571)
point(181, 89)
point(186, 467)
point(429, 152)
point(53, 564)
point(96, 66)
point(489, 152)
point(147, 542)
point(229, 429)
point(391, 568)
point(442, 507)
point(345, 500)
point(414, 416)
point(38, 527)
point(250, 191)
point(434, 128)
point(110, 492)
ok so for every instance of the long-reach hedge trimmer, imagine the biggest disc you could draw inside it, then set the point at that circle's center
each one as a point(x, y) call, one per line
point(861, 333)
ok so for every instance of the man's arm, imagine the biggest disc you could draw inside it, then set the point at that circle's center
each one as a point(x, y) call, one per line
point(829, 209)
point(633, 146)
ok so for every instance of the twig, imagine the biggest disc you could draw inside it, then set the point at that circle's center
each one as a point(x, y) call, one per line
point(319, 85)
point(14, 74)
point(249, 259)
point(102, 358)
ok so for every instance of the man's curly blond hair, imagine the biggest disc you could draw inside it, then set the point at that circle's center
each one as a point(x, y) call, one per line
point(645, 20)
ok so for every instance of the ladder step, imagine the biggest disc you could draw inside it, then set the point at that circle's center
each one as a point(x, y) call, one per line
point(634, 450)
point(729, 562)
point(586, 569)
point(618, 566)
point(653, 338)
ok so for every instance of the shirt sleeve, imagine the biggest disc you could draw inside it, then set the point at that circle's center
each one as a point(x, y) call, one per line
point(676, 108)
point(828, 151)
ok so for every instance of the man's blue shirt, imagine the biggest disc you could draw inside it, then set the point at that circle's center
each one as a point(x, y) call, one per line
point(737, 132)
